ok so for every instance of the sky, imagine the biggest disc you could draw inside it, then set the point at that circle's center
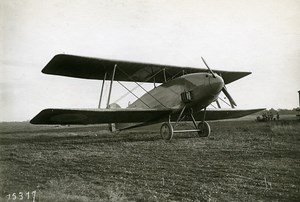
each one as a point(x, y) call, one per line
point(234, 35)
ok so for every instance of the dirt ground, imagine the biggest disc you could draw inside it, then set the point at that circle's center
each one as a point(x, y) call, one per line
point(240, 161)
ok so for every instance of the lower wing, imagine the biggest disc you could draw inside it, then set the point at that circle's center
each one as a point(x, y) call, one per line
point(98, 116)
point(217, 114)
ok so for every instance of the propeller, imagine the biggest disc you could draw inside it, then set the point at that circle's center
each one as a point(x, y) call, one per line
point(224, 90)
point(232, 102)
point(208, 68)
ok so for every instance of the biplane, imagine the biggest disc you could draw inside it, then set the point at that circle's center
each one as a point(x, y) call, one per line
point(179, 94)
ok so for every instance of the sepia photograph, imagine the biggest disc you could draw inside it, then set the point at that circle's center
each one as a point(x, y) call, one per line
point(114, 100)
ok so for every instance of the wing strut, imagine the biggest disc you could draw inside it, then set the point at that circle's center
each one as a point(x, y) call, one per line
point(102, 87)
point(219, 106)
point(110, 88)
point(165, 77)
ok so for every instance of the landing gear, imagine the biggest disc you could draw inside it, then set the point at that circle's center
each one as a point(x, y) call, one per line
point(204, 129)
point(166, 131)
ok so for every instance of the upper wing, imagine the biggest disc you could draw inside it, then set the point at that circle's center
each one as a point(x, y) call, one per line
point(95, 68)
point(97, 116)
point(217, 114)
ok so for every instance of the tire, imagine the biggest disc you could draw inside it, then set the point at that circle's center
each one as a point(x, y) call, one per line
point(205, 129)
point(166, 131)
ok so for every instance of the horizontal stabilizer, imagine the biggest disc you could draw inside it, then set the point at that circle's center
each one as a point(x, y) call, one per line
point(97, 116)
point(96, 68)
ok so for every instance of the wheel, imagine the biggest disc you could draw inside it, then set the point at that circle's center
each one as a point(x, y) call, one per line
point(205, 129)
point(166, 131)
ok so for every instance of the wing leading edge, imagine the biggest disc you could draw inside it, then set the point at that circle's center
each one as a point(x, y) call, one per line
point(95, 68)
point(97, 116)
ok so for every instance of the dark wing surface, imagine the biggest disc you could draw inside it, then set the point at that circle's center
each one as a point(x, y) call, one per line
point(97, 116)
point(218, 114)
point(95, 68)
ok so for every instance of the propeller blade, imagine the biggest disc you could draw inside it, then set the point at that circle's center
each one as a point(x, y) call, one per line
point(232, 102)
point(208, 68)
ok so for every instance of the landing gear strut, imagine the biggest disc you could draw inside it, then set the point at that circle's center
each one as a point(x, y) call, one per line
point(167, 130)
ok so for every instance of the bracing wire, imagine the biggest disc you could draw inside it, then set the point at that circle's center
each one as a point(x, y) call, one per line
point(225, 102)
point(129, 91)
point(142, 88)
point(133, 94)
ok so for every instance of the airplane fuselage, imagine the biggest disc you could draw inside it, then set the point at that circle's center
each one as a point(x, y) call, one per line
point(195, 91)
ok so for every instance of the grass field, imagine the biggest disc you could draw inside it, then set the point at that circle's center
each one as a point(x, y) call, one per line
point(241, 161)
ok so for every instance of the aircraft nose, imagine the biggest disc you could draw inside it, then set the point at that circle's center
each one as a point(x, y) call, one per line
point(216, 83)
